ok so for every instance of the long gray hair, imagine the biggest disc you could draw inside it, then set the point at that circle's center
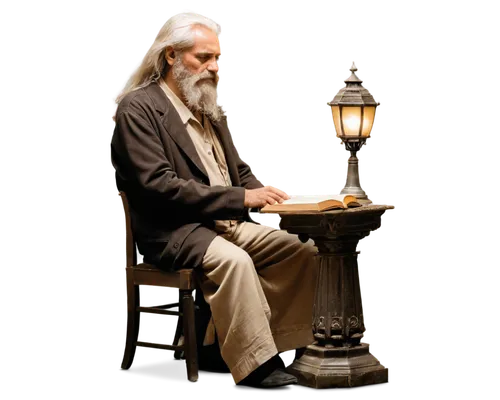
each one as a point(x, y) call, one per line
point(177, 32)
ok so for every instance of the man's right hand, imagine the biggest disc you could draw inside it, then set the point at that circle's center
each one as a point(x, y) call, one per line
point(258, 198)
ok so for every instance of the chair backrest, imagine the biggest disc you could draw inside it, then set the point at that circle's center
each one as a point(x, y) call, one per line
point(130, 242)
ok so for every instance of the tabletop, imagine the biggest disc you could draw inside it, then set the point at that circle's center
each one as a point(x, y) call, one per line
point(352, 210)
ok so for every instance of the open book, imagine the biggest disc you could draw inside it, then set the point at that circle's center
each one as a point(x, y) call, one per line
point(313, 203)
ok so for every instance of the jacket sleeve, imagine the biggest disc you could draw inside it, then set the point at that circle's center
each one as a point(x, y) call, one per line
point(247, 178)
point(139, 158)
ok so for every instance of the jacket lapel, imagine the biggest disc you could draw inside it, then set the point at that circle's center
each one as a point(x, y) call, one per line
point(173, 124)
point(222, 132)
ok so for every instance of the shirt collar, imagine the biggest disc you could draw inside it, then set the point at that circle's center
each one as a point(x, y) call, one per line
point(184, 112)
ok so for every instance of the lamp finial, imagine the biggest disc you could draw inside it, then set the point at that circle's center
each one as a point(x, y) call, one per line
point(353, 79)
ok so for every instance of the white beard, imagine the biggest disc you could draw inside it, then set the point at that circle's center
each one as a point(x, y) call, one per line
point(199, 96)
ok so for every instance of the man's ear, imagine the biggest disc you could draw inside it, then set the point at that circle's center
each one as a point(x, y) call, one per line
point(170, 55)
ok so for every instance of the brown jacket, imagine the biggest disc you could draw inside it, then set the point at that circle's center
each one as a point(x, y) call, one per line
point(172, 205)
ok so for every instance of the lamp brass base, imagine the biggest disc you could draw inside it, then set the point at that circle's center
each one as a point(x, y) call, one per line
point(356, 191)
point(335, 367)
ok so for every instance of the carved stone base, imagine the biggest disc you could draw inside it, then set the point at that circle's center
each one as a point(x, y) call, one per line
point(323, 367)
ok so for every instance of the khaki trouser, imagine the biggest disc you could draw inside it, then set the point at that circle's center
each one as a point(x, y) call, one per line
point(259, 283)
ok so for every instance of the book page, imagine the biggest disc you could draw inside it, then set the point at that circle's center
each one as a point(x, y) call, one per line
point(313, 199)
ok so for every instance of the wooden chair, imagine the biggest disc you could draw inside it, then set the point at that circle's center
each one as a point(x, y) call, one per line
point(147, 274)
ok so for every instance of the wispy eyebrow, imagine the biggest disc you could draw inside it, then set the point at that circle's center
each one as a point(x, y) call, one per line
point(207, 53)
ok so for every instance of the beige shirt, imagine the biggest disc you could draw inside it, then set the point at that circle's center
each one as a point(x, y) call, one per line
point(208, 147)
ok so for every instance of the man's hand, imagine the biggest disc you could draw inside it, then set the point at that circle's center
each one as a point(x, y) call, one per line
point(258, 198)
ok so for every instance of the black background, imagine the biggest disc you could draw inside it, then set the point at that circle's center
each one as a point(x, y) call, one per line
point(276, 66)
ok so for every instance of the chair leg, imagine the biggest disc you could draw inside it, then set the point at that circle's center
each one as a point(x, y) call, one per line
point(190, 349)
point(133, 320)
point(177, 356)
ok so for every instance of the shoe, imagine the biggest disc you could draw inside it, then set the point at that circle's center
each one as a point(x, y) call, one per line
point(279, 378)
point(299, 352)
point(211, 364)
point(262, 372)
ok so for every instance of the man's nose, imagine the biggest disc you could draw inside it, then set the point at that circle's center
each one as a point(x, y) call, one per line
point(213, 66)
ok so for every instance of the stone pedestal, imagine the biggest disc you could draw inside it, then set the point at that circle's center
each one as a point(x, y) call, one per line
point(337, 358)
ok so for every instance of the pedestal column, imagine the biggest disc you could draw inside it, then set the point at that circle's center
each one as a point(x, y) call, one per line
point(337, 358)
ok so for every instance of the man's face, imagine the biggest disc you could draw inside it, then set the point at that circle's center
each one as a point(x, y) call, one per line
point(195, 73)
